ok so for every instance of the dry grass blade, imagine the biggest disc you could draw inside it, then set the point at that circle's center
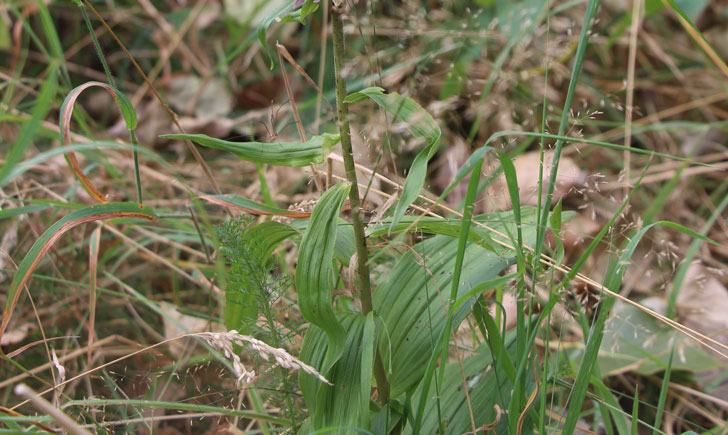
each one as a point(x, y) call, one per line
point(43, 405)
point(93, 261)
point(292, 101)
point(65, 125)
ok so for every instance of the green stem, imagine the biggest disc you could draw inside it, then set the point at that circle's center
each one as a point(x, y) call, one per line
point(365, 292)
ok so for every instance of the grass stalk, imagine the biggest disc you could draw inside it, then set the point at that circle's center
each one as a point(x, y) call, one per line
point(362, 255)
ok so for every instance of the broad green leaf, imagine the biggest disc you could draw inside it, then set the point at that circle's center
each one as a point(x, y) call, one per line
point(345, 404)
point(408, 299)
point(345, 245)
point(308, 8)
point(442, 346)
point(315, 274)
point(421, 124)
point(38, 114)
point(412, 307)
point(432, 225)
point(276, 153)
point(486, 388)
point(51, 235)
point(451, 227)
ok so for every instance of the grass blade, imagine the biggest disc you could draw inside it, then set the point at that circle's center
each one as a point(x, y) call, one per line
point(663, 394)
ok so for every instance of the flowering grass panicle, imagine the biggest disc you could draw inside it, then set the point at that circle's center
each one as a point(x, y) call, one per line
point(224, 342)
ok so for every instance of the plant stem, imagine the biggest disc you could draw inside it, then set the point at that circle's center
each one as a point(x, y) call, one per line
point(362, 256)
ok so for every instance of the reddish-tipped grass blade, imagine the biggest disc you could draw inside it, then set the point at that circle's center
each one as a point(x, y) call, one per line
point(127, 112)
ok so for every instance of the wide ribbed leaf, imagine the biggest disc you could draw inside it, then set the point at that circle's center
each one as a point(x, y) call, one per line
point(345, 245)
point(421, 124)
point(413, 306)
point(275, 153)
point(486, 388)
point(345, 404)
point(315, 274)
point(409, 299)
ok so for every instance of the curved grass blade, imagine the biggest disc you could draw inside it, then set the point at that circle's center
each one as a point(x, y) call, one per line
point(276, 153)
point(40, 110)
point(421, 124)
point(55, 232)
point(314, 274)
point(177, 406)
point(28, 164)
point(252, 207)
point(127, 112)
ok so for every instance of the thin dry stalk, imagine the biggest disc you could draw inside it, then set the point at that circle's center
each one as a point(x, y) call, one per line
point(636, 12)
point(322, 64)
point(299, 124)
point(43, 405)
point(93, 261)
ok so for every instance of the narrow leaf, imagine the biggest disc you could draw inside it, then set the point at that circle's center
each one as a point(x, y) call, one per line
point(277, 153)
point(266, 22)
